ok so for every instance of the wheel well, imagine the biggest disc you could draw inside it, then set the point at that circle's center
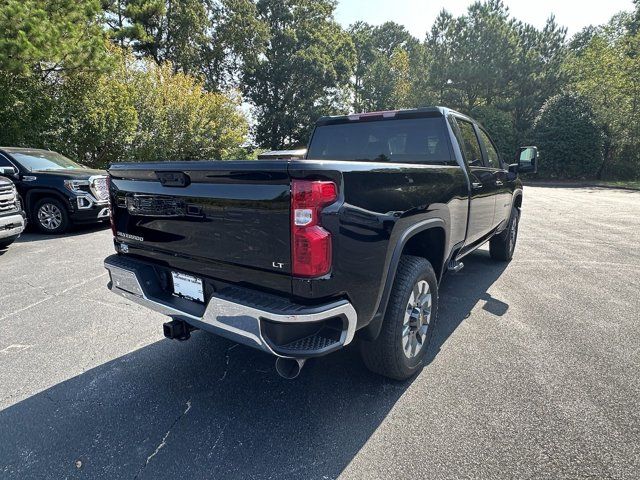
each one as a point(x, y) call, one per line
point(518, 201)
point(34, 197)
point(430, 245)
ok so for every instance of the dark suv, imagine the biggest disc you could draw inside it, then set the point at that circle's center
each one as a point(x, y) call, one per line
point(57, 192)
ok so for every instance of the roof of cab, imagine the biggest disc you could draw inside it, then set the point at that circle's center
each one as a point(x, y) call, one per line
point(403, 113)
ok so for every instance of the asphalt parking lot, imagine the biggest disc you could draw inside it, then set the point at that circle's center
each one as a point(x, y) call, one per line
point(535, 371)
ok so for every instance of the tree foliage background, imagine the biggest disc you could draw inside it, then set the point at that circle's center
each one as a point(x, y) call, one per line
point(114, 80)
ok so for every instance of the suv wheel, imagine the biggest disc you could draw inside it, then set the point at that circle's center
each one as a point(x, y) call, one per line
point(408, 324)
point(502, 246)
point(50, 216)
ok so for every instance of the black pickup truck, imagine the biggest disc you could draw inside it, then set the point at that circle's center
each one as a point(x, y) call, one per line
point(300, 257)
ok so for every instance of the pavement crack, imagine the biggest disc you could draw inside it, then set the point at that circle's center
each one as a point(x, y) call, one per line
point(220, 435)
point(53, 296)
point(163, 442)
point(226, 362)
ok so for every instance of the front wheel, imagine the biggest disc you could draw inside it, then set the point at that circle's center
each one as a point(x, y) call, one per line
point(50, 216)
point(502, 246)
point(408, 324)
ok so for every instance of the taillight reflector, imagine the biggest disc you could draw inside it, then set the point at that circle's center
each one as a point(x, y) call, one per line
point(310, 243)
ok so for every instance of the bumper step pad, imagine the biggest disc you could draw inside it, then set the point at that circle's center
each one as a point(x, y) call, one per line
point(319, 342)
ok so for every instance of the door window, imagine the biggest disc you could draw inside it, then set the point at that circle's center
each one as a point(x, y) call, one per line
point(493, 160)
point(469, 143)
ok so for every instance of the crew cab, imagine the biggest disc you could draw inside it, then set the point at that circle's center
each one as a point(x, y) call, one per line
point(301, 257)
point(12, 220)
point(56, 191)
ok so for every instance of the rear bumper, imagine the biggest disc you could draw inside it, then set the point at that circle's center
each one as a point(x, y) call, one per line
point(11, 225)
point(242, 315)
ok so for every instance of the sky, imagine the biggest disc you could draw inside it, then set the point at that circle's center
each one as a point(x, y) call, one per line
point(418, 15)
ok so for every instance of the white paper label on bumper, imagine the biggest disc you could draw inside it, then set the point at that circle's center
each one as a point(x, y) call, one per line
point(187, 286)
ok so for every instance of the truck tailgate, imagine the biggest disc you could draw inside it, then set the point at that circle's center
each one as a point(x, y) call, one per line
point(210, 214)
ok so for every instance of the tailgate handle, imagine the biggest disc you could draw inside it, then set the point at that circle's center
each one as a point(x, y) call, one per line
point(173, 179)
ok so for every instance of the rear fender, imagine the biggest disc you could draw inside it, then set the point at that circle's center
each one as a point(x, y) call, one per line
point(371, 331)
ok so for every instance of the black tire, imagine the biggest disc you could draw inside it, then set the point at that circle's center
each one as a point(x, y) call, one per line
point(5, 242)
point(502, 246)
point(55, 208)
point(386, 354)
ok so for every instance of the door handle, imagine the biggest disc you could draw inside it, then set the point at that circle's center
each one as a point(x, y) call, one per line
point(476, 185)
point(499, 183)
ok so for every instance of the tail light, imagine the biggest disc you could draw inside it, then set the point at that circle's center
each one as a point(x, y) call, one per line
point(310, 243)
point(111, 219)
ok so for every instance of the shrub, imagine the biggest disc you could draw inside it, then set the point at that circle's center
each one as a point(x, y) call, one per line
point(137, 111)
point(569, 138)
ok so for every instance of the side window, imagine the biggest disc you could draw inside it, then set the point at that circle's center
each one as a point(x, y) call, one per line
point(469, 143)
point(492, 154)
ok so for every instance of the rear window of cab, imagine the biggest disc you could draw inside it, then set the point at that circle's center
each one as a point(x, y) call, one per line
point(396, 140)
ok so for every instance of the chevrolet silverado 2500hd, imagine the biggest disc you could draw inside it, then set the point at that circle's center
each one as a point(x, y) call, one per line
point(299, 257)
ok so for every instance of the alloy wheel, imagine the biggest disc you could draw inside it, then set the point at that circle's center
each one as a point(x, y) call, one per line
point(50, 216)
point(513, 234)
point(417, 319)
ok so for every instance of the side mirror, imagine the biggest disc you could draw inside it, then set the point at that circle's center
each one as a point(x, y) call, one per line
point(527, 160)
point(8, 171)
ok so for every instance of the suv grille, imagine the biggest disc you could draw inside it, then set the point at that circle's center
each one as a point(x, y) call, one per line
point(7, 198)
point(99, 188)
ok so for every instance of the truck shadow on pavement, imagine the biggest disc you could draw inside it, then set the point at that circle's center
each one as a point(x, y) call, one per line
point(460, 292)
point(208, 408)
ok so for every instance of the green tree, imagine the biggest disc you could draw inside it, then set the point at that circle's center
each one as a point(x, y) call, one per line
point(44, 37)
point(179, 120)
point(26, 108)
point(303, 74)
point(138, 111)
point(361, 35)
point(535, 74)
point(209, 38)
point(471, 55)
point(95, 119)
point(501, 127)
point(606, 71)
point(569, 138)
point(387, 60)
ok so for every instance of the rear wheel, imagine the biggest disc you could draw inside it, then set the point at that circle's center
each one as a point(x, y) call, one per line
point(502, 246)
point(50, 216)
point(408, 324)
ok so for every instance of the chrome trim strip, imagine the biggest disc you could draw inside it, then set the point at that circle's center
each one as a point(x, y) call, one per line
point(238, 322)
point(92, 201)
point(95, 191)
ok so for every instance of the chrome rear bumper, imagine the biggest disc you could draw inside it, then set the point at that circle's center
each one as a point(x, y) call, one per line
point(229, 317)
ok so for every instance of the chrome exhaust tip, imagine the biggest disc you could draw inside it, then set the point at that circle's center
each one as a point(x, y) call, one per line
point(289, 368)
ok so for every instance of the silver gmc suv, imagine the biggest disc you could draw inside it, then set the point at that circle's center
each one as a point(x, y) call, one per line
point(12, 220)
